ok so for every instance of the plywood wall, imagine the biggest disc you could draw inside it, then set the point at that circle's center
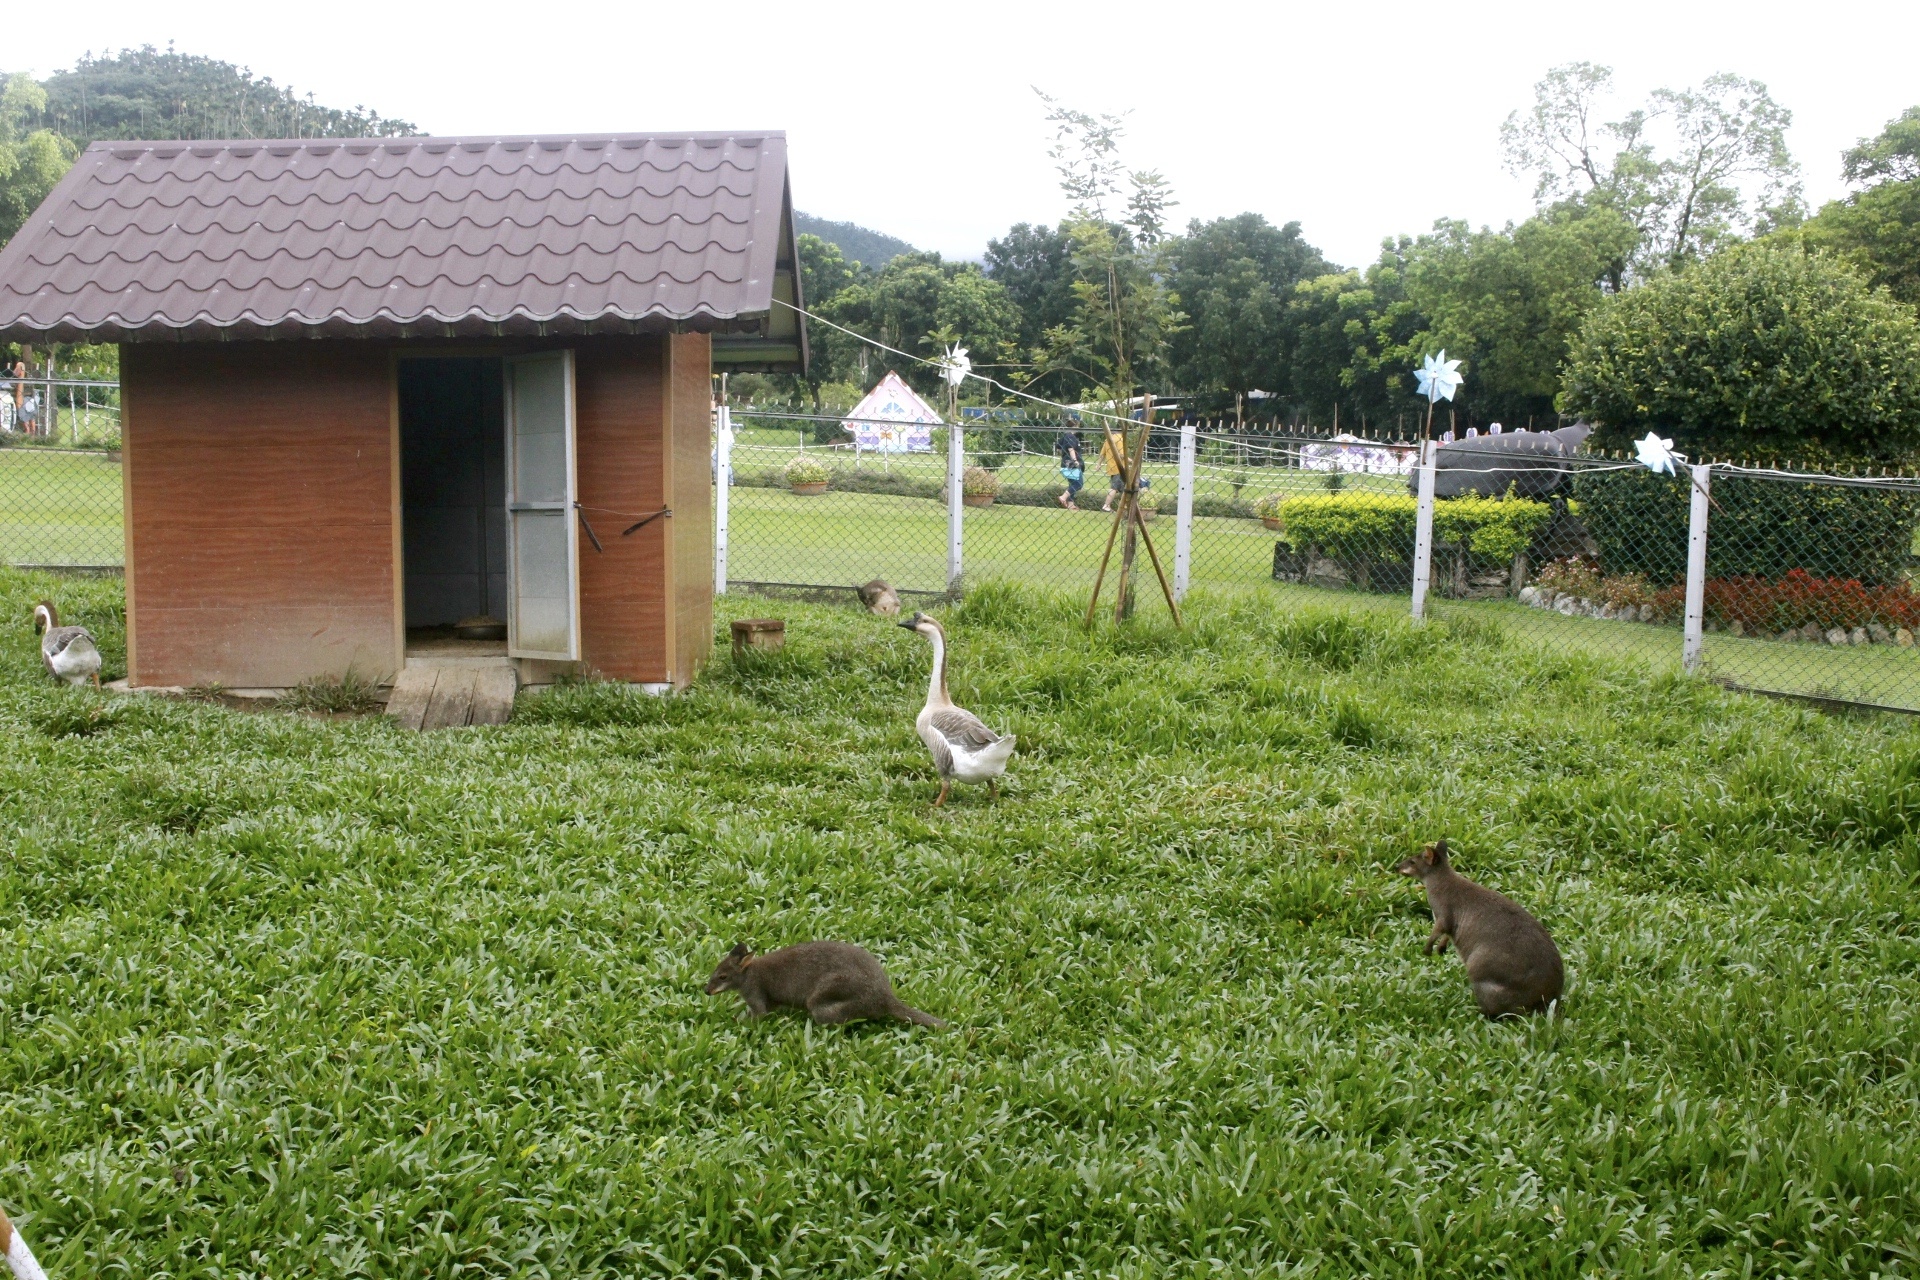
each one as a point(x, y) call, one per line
point(260, 512)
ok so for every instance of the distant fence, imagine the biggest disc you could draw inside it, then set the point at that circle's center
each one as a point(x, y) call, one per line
point(1795, 583)
point(60, 473)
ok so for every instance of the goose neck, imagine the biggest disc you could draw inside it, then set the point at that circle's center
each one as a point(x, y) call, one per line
point(937, 682)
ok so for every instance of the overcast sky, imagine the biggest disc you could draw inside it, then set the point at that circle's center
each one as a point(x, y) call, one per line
point(1359, 120)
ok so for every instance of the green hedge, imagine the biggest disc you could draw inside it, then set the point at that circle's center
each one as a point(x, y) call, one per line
point(1356, 527)
point(1756, 528)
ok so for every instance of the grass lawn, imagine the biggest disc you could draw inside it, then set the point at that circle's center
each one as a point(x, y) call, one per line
point(59, 508)
point(289, 996)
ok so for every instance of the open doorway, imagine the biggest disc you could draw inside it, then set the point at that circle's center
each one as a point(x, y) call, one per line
point(452, 495)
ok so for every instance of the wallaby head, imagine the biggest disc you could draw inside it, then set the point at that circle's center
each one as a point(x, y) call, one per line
point(726, 976)
point(1427, 861)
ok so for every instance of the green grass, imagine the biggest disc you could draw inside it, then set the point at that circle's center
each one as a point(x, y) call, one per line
point(59, 508)
point(288, 996)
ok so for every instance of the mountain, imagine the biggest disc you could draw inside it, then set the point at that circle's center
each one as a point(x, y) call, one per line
point(856, 243)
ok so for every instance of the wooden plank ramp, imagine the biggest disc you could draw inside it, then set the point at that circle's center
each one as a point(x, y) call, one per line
point(432, 697)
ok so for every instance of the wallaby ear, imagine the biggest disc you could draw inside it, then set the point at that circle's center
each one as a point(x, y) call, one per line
point(1440, 850)
point(740, 951)
point(1426, 855)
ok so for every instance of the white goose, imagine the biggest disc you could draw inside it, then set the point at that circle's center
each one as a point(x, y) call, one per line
point(69, 652)
point(964, 749)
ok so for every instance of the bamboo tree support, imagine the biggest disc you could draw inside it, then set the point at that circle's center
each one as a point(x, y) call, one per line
point(1128, 512)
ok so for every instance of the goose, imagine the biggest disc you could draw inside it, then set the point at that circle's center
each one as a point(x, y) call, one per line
point(964, 749)
point(69, 652)
point(880, 598)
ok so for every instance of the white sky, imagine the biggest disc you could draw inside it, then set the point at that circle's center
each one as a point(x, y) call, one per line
point(1359, 120)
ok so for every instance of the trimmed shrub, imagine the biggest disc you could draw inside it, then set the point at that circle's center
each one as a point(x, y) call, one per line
point(1360, 526)
point(1757, 528)
point(804, 470)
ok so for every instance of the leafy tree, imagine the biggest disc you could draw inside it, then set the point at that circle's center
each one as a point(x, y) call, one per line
point(1034, 264)
point(1347, 339)
point(31, 160)
point(1510, 302)
point(1877, 229)
point(916, 304)
point(147, 93)
point(1124, 313)
point(1765, 349)
point(1692, 169)
point(1233, 277)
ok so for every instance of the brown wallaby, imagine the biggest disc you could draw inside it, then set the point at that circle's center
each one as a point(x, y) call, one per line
point(1511, 962)
point(880, 598)
point(832, 981)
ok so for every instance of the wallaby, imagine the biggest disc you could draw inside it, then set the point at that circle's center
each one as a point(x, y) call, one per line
point(880, 598)
point(832, 981)
point(1511, 962)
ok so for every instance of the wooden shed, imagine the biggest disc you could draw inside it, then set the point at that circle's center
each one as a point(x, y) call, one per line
point(372, 388)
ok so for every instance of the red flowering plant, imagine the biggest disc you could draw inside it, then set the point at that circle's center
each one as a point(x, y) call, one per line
point(1800, 598)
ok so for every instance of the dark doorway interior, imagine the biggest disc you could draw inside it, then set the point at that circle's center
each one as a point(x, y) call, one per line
point(453, 490)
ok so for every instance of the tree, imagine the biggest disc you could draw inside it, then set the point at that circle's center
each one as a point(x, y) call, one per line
point(31, 161)
point(1124, 313)
point(1877, 229)
point(1692, 170)
point(1034, 264)
point(1347, 339)
point(1764, 349)
point(916, 304)
point(1233, 277)
point(147, 93)
point(1510, 302)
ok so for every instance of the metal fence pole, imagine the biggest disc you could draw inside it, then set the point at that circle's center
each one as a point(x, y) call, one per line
point(1696, 565)
point(1423, 534)
point(722, 482)
point(1183, 514)
point(956, 464)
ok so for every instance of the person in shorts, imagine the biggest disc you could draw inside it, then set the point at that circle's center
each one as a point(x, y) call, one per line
point(1072, 466)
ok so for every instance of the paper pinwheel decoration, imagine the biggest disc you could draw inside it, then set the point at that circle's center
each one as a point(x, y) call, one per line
point(1655, 454)
point(956, 366)
point(1438, 377)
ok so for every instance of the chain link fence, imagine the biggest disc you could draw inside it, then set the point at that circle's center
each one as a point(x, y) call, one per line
point(60, 489)
point(1795, 583)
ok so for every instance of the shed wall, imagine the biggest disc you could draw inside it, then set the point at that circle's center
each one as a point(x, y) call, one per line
point(620, 415)
point(691, 447)
point(260, 512)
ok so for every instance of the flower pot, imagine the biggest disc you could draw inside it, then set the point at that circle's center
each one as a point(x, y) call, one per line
point(1271, 523)
point(1146, 515)
point(977, 499)
point(811, 490)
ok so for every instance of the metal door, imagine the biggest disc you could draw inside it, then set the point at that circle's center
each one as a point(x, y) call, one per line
point(543, 619)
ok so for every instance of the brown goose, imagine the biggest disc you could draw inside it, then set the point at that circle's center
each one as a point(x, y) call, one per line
point(963, 748)
point(69, 652)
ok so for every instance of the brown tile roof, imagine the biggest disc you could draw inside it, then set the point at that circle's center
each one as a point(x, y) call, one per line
point(424, 236)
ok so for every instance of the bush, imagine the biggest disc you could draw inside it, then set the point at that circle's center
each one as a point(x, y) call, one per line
point(804, 470)
point(1354, 526)
point(1268, 506)
point(1763, 349)
point(1757, 528)
point(976, 481)
point(1800, 598)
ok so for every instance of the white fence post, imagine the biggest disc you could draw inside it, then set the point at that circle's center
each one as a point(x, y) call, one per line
point(1696, 565)
point(722, 482)
point(1423, 533)
point(1183, 515)
point(956, 464)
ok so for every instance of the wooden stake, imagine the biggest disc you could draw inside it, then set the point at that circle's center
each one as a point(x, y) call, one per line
point(1130, 504)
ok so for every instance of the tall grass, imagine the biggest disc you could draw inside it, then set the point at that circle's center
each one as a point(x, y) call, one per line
point(288, 996)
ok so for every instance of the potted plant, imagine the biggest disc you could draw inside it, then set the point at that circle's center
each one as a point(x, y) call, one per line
point(806, 476)
point(1149, 503)
point(1268, 509)
point(979, 486)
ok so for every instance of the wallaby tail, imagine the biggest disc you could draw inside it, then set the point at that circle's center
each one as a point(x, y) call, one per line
point(912, 1014)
